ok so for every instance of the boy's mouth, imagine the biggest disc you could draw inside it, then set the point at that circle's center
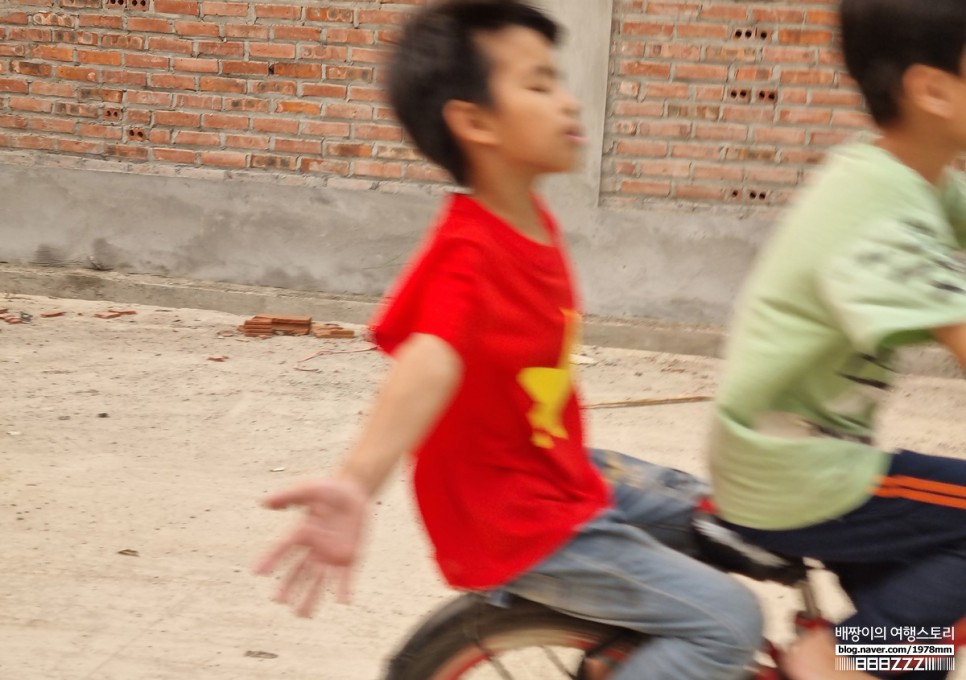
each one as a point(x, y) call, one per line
point(575, 135)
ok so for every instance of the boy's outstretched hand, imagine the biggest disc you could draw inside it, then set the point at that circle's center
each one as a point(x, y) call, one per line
point(325, 543)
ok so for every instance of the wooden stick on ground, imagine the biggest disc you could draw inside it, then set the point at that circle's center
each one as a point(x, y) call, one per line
point(633, 403)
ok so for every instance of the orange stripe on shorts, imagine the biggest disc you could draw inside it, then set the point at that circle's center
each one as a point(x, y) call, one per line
point(894, 491)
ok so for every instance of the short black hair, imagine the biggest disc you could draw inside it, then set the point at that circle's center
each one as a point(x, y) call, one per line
point(881, 39)
point(439, 60)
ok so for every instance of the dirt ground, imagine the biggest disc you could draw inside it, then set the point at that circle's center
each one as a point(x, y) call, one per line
point(131, 467)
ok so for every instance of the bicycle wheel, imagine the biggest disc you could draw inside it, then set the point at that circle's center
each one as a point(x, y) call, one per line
point(470, 639)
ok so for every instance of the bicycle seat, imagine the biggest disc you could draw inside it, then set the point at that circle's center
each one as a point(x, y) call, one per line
point(725, 549)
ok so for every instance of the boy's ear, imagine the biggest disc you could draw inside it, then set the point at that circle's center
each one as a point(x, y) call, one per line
point(468, 122)
point(927, 88)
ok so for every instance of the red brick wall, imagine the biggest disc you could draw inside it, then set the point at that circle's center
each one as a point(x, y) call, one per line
point(722, 101)
point(288, 87)
point(710, 101)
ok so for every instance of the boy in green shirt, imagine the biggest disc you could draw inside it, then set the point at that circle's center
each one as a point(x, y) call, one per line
point(864, 263)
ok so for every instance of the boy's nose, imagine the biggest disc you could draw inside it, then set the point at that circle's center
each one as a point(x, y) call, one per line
point(571, 105)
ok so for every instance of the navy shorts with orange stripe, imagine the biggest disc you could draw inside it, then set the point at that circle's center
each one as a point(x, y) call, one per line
point(901, 556)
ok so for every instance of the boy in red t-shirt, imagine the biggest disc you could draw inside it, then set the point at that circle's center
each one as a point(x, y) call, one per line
point(481, 327)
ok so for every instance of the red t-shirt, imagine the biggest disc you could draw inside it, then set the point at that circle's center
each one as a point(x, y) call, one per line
point(503, 479)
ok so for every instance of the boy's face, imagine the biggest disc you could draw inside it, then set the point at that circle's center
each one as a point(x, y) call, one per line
point(937, 99)
point(534, 121)
point(957, 95)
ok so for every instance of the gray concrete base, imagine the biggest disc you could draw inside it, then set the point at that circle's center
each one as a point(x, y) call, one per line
point(635, 333)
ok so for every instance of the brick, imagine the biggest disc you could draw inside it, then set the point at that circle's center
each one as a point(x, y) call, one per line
point(246, 31)
point(642, 147)
point(656, 189)
point(189, 7)
point(272, 162)
point(350, 111)
point(175, 45)
point(120, 41)
point(29, 68)
point(297, 70)
point(198, 101)
point(98, 130)
point(348, 150)
point(225, 122)
point(77, 73)
point(324, 53)
point(50, 19)
point(197, 29)
point(227, 9)
point(123, 77)
point(193, 138)
point(255, 142)
point(297, 146)
point(226, 159)
point(289, 12)
point(721, 132)
point(427, 173)
point(326, 129)
point(230, 85)
point(348, 73)
point(324, 166)
point(271, 50)
point(149, 61)
point(329, 15)
point(350, 36)
point(37, 142)
point(75, 110)
point(103, 57)
point(177, 118)
point(30, 104)
point(306, 33)
point(30, 34)
point(16, 18)
point(166, 81)
point(100, 21)
point(131, 152)
point(221, 49)
point(13, 50)
point(158, 99)
point(795, 36)
point(326, 90)
point(174, 155)
point(385, 133)
point(149, 25)
point(308, 108)
point(252, 68)
point(75, 146)
point(275, 125)
point(52, 52)
point(195, 65)
point(247, 104)
point(380, 16)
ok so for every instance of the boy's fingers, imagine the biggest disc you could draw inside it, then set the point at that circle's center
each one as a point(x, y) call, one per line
point(311, 599)
point(295, 495)
point(271, 560)
point(345, 585)
point(291, 582)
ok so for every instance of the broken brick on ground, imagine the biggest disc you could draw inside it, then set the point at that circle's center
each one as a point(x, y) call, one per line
point(265, 326)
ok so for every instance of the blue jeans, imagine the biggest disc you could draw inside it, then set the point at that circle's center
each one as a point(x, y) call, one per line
point(629, 567)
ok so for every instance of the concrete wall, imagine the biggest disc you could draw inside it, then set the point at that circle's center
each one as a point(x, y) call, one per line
point(310, 233)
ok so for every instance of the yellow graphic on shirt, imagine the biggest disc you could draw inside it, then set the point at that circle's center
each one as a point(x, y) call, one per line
point(550, 389)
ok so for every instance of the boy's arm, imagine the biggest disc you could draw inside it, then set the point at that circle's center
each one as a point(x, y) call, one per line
point(419, 386)
point(954, 338)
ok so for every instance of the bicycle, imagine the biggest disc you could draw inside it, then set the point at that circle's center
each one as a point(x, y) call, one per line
point(469, 638)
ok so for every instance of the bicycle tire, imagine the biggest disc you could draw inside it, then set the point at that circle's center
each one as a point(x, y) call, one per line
point(467, 632)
